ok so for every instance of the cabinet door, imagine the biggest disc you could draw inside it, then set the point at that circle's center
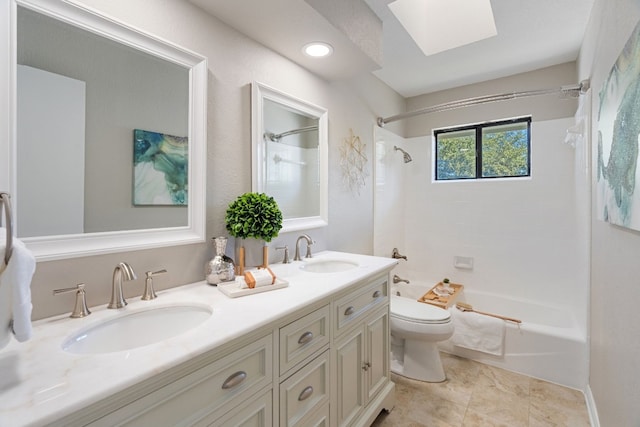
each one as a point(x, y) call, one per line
point(377, 353)
point(349, 376)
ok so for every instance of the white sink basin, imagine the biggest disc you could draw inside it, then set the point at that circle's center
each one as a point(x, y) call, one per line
point(328, 266)
point(136, 329)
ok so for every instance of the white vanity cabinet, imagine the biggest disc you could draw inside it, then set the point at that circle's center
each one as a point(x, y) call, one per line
point(324, 364)
point(362, 355)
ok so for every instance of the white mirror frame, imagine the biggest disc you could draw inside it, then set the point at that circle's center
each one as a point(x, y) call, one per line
point(261, 92)
point(78, 245)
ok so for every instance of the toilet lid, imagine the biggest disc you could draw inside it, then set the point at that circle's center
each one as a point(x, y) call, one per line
point(414, 311)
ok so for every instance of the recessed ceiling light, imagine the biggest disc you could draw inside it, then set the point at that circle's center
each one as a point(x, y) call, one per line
point(317, 49)
point(439, 25)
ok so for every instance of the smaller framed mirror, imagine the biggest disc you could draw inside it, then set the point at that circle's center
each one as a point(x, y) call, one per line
point(290, 156)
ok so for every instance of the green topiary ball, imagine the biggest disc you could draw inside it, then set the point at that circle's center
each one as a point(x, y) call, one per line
point(254, 215)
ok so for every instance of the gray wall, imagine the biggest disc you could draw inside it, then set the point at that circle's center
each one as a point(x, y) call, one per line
point(234, 62)
point(615, 291)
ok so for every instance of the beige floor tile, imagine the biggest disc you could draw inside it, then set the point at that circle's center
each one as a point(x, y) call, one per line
point(432, 409)
point(503, 380)
point(475, 419)
point(554, 405)
point(478, 395)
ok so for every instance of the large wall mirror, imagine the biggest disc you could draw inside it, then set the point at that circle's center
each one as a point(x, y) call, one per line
point(107, 147)
point(289, 156)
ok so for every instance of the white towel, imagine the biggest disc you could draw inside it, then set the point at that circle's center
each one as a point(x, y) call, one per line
point(15, 280)
point(477, 332)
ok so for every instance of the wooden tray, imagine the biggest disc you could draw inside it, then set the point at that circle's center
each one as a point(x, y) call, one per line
point(433, 298)
point(233, 289)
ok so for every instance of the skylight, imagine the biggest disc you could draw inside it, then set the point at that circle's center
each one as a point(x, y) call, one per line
point(439, 25)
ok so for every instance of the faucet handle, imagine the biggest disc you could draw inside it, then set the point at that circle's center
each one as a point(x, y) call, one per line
point(308, 254)
point(150, 293)
point(80, 309)
point(286, 259)
point(395, 254)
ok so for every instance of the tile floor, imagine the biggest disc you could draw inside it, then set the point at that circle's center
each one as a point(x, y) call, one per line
point(478, 395)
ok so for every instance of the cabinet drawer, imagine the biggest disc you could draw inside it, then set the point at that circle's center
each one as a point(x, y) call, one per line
point(356, 304)
point(319, 418)
point(305, 391)
point(303, 337)
point(257, 412)
point(227, 381)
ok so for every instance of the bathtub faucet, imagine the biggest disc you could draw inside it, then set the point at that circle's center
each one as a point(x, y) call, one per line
point(398, 279)
point(396, 255)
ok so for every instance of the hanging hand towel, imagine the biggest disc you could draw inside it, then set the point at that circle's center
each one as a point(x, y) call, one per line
point(15, 280)
point(477, 332)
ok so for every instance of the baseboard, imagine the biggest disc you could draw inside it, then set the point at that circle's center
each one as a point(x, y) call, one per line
point(591, 407)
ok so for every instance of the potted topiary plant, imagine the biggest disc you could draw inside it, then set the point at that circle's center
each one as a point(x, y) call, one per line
point(253, 216)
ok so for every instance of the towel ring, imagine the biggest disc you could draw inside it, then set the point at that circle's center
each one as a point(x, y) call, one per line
point(8, 249)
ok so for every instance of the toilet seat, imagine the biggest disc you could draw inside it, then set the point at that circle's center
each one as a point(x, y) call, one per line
point(418, 312)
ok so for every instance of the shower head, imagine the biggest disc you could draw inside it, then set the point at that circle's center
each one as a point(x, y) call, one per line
point(407, 157)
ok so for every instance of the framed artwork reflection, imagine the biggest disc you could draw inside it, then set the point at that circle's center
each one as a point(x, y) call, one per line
point(160, 169)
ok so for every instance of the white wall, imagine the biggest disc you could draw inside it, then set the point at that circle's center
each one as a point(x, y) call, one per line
point(520, 232)
point(390, 200)
point(234, 62)
point(615, 325)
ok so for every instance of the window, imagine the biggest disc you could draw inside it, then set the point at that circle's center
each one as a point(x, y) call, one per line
point(487, 150)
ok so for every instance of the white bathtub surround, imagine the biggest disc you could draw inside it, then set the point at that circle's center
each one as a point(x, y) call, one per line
point(39, 382)
point(526, 236)
point(549, 344)
point(477, 332)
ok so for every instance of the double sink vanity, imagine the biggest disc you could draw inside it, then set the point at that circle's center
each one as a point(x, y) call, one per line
point(315, 353)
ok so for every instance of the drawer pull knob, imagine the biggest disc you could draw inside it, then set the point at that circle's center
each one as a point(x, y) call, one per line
point(349, 311)
point(306, 393)
point(305, 338)
point(376, 294)
point(366, 366)
point(234, 380)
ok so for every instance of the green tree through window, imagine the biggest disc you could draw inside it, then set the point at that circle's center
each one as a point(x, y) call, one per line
point(488, 150)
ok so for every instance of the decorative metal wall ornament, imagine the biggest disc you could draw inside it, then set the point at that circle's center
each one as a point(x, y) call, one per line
point(353, 161)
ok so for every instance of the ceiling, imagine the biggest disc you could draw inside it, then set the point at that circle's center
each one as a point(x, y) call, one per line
point(531, 35)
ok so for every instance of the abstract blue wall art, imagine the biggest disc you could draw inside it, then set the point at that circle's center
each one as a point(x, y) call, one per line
point(160, 169)
point(617, 200)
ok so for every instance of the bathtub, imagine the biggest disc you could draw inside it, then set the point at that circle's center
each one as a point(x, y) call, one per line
point(548, 344)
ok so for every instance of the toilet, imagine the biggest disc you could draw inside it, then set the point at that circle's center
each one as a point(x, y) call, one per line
point(416, 328)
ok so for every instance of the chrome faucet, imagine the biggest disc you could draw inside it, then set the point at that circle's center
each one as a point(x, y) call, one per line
point(123, 271)
point(396, 255)
point(309, 243)
point(398, 279)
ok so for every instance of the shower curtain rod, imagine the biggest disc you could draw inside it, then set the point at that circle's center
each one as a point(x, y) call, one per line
point(277, 137)
point(572, 91)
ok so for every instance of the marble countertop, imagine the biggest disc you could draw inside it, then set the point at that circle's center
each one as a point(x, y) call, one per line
point(40, 382)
